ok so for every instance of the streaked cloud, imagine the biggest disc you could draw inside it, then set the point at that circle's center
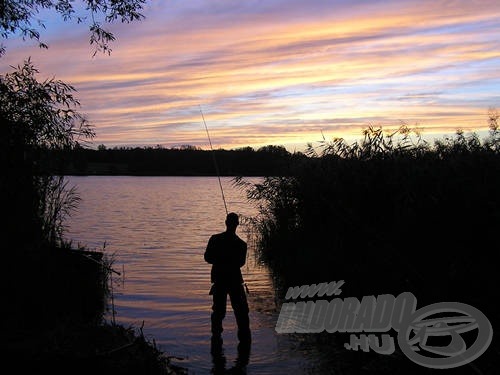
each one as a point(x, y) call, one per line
point(282, 72)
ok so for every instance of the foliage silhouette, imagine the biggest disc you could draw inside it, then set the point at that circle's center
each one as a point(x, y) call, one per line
point(389, 213)
point(37, 116)
point(19, 17)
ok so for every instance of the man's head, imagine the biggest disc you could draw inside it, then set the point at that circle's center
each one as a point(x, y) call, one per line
point(232, 222)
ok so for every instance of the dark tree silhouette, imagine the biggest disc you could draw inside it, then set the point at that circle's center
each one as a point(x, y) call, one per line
point(36, 116)
point(20, 17)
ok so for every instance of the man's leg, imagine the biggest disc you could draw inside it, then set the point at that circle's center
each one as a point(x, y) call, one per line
point(218, 309)
point(240, 308)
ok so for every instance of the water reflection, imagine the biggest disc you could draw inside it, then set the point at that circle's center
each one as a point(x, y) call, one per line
point(157, 229)
point(219, 362)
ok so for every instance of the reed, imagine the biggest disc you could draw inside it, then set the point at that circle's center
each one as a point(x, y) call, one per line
point(389, 213)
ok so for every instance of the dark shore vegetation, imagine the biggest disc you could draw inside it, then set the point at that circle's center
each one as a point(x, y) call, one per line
point(389, 214)
point(57, 296)
point(392, 208)
point(59, 319)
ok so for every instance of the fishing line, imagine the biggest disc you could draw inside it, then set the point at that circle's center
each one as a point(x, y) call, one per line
point(220, 184)
point(215, 161)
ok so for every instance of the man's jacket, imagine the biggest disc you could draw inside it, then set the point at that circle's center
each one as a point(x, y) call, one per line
point(227, 254)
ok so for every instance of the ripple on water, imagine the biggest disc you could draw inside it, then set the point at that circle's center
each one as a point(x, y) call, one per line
point(156, 229)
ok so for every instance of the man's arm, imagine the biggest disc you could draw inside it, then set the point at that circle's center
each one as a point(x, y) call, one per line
point(210, 251)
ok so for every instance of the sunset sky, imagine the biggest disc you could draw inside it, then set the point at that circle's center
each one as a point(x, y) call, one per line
point(278, 72)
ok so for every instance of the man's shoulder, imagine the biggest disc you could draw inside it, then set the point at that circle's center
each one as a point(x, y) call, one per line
point(224, 236)
point(217, 236)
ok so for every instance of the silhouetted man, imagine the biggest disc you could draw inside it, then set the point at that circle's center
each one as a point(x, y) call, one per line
point(227, 254)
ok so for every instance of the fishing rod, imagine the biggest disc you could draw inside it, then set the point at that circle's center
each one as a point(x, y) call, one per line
point(215, 161)
point(218, 176)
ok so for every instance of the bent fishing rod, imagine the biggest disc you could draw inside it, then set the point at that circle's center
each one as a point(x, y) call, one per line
point(215, 161)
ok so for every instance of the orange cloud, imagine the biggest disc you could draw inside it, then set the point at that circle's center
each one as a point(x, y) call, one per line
point(284, 74)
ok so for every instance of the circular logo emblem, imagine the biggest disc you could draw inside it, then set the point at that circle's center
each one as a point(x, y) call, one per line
point(444, 323)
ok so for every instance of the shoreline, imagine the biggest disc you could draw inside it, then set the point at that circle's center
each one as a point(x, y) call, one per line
point(62, 329)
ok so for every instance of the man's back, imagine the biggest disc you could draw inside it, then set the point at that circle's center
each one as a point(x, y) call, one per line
point(227, 254)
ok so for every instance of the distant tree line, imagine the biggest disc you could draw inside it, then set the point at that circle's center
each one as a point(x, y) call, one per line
point(183, 161)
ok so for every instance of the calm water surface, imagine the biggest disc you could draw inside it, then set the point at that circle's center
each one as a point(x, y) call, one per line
point(156, 230)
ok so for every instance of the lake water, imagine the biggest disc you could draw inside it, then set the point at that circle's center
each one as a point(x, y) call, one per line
point(156, 230)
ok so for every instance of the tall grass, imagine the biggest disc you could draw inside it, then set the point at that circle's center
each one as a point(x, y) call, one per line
point(387, 214)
